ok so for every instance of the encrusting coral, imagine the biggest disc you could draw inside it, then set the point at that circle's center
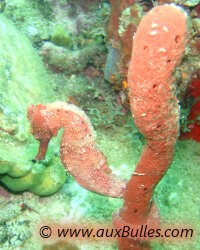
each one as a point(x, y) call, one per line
point(78, 150)
point(157, 48)
point(23, 80)
point(36, 178)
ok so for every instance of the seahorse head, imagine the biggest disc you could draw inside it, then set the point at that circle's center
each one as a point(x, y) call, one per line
point(38, 118)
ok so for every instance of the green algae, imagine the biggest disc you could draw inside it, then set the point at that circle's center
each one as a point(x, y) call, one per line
point(61, 38)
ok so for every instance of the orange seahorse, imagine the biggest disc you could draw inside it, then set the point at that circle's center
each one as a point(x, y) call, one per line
point(78, 151)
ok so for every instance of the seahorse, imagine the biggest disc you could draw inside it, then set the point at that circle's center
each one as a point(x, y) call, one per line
point(79, 152)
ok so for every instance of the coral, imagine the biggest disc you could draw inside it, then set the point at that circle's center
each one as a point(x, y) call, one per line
point(158, 48)
point(192, 130)
point(193, 124)
point(125, 16)
point(128, 22)
point(78, 150)
point(37, 178)
point(116, 9)
point(75, 61)
point(23, 77)
point(31, 18)
point(193, 89)
point(61, 38)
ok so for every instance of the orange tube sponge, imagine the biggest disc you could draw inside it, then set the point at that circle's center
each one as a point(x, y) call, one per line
point(158, 47)
point(78, 150)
